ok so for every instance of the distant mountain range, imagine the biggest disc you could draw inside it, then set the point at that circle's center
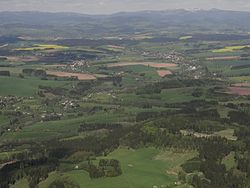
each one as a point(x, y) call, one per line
point(19, 23)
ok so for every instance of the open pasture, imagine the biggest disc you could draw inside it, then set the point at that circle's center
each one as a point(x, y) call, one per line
point(61, 128)
point(167, 96)
point(142, 168)
point(136, 72)
point(25, 86)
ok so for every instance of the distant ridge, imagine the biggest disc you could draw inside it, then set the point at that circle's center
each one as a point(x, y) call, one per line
point(126, 12)
point(76, 24)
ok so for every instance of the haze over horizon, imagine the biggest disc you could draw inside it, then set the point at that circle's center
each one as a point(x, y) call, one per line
point(113, 6)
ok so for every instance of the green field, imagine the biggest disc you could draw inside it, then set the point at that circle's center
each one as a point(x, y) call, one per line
point(229, 161)
point(228, 134)
point(57, 129)
point(27, 86)
point(166, 96)
point(142, 168)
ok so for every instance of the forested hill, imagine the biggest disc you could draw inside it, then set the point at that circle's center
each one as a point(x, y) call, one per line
point(17, 23)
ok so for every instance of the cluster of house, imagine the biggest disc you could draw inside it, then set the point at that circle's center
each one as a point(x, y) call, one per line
point(51, 117)
point(70, 104)
point(170, 56)
point(76, 65)
point(9, 100)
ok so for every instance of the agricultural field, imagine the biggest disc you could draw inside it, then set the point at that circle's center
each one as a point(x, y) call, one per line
point(185, 37)
point(42, 47)
point(158, 167)
point(230, 49)
point(79, 76)
point(24, 86)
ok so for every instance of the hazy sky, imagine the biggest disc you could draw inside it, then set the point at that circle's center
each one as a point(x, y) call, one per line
point(111, 6)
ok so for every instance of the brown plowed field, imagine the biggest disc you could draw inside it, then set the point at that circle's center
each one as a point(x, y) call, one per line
point(164, 73)
point(242, 85)
point(239, 91)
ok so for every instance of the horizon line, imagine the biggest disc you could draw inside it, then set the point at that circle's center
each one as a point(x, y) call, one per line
point(120, 12)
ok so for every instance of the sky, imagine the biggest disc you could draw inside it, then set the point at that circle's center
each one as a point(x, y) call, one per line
point(112, 6)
